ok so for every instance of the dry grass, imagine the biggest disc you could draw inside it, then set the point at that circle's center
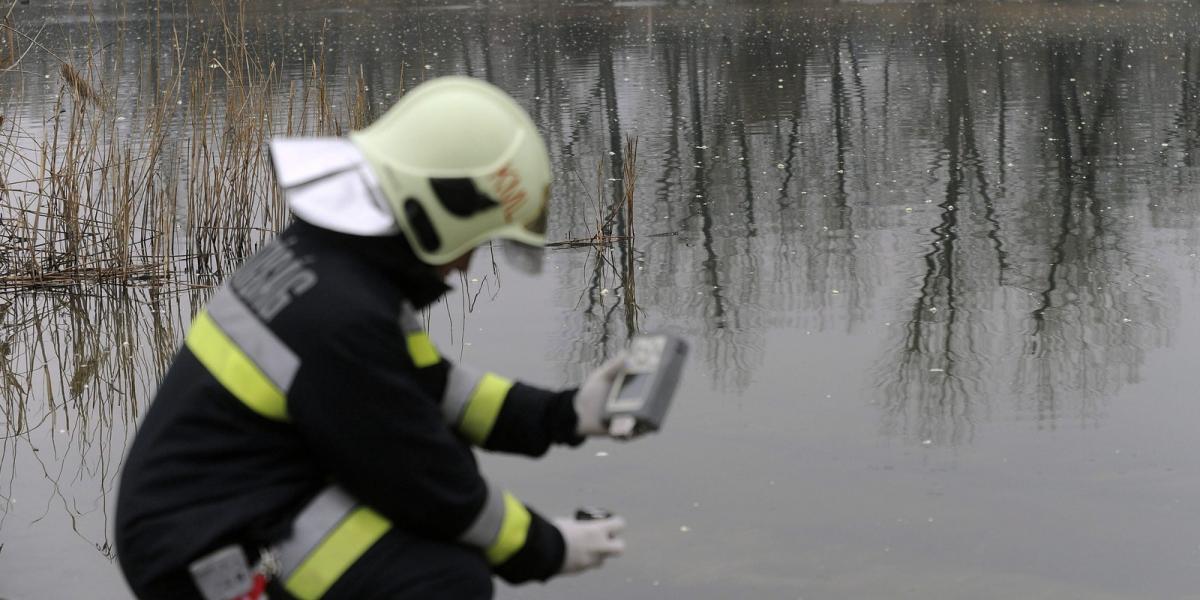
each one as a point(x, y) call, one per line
point(606, 215)
point(8, 43)
point(181, 187)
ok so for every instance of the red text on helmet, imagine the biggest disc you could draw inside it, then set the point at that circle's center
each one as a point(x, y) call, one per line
point(506, 185)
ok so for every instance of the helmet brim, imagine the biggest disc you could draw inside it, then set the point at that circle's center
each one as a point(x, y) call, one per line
point(326, 182)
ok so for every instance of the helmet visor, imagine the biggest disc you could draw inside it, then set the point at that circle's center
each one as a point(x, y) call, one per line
point(524, 257)
point(537, 225)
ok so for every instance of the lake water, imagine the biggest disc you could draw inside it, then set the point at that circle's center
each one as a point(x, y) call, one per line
point(937, 264)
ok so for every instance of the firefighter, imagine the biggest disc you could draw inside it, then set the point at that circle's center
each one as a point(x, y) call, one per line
point(309, 440)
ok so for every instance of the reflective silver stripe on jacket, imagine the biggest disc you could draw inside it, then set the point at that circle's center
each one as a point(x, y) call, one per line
point(460, 384)
point(409, 321)
point(329, 508)
point(483, 532)
point(254, 339)
point(311, 526)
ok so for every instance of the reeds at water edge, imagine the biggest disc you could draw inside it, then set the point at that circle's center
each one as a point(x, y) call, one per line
point(180, 186)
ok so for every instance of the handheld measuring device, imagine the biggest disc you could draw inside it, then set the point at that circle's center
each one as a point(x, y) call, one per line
point(643, 390)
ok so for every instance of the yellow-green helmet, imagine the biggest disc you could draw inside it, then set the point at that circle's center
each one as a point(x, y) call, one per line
point(460, 163)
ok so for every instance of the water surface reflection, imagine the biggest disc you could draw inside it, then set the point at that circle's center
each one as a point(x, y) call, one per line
point(890, 230)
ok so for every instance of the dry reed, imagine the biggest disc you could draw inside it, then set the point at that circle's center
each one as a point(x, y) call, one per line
point(92, 200)
point(8, 43)
point(79, 84)
point(606, 217)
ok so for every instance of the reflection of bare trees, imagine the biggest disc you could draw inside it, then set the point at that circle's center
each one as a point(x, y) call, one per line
point(1094, 314)
point(1073, 305)
point(792, 163)
point(76, 369)
point(779, 158)
point(929, 389)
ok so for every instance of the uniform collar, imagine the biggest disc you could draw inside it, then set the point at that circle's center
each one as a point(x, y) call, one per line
point(419, 282)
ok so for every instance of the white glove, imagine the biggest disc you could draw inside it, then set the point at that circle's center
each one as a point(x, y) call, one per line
point(589, 542)
point(589, 400)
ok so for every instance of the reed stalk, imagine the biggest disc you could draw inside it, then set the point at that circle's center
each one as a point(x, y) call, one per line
point(183, 187)
point(9, 53)
point(606, 216)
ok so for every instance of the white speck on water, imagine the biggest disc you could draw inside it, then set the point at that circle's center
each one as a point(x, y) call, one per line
point(927, 442)
point(780, 166)
point(835, 291)
point(601, 454)
point(937, 370)
point(604, 292)
point(907, 209)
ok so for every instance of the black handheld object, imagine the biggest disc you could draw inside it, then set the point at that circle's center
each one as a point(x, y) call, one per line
point(592, 513)
point(643, 390)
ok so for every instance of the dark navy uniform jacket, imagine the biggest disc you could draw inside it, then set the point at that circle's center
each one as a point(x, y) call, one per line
point(309, 368)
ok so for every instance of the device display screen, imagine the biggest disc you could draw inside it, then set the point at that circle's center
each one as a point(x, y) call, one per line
point(634, 386)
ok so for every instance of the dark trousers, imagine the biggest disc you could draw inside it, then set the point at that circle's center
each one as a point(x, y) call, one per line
point(399, 566)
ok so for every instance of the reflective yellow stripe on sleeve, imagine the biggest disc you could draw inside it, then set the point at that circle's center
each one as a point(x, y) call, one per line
point(483, 407)
point(336, 553)
point(422, 350)
point(501, 527)
point(234, 370)
point(420, 347)
point(513, 531)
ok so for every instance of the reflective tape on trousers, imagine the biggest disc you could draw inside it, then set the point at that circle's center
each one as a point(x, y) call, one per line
point(328, 536)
